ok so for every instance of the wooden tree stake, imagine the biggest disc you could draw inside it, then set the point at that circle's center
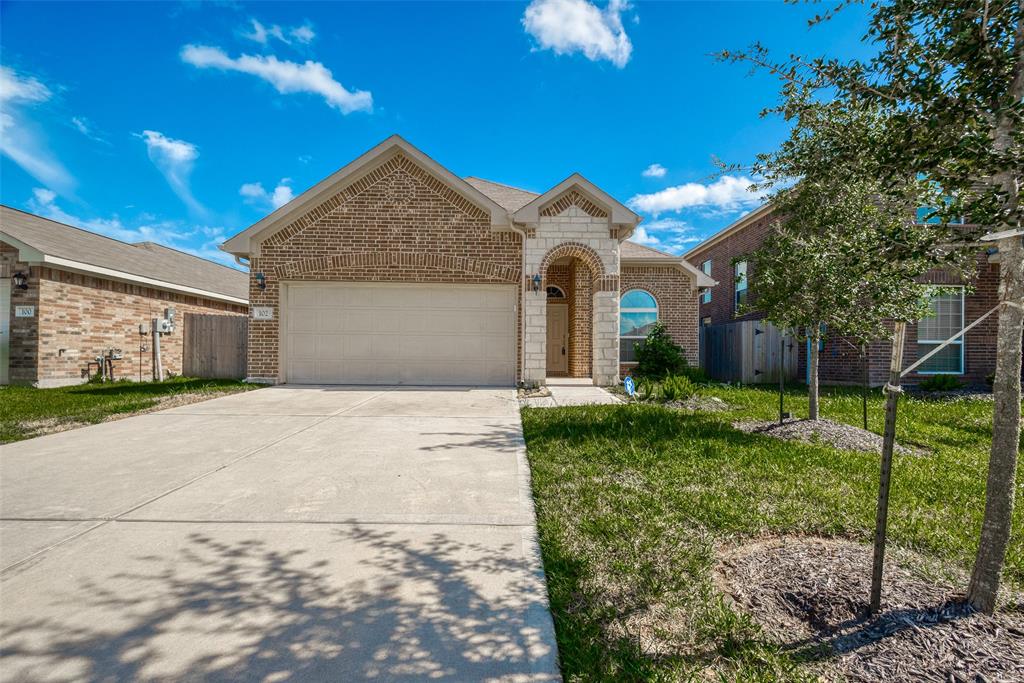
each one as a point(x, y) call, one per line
point(892, 393)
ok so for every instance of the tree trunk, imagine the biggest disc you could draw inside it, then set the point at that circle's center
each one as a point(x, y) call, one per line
point(1002, 463)
point(892, 393)
point(812, 379)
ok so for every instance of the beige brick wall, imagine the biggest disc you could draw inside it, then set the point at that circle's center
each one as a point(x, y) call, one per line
point(78, 317)
point(396, 224)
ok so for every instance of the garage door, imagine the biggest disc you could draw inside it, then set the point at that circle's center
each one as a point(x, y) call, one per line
point(356, 333)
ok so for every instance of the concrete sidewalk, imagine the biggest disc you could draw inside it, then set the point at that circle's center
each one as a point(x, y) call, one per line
point(567, 391)
point(290, 533)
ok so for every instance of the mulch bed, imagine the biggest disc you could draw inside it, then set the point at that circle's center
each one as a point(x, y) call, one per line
point(810, 595)
point(837, 434)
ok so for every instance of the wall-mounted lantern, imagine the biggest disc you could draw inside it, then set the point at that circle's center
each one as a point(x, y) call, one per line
point(261, 280)
point(20, 280)
point(536, 282)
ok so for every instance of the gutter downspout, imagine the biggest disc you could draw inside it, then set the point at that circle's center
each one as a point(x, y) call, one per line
point(522, 313)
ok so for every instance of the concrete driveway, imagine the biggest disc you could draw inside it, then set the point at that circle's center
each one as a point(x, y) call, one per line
point(285, 534)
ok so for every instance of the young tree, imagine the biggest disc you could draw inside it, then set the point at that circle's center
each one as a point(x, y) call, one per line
point(950, 76)
point(829, 259)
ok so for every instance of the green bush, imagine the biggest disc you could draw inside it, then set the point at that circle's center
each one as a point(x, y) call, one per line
point(645, 389)
point(940, 383)
point(677, 388)
point(658, 356)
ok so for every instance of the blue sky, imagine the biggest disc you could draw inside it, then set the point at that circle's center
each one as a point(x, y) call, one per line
point(184, 123)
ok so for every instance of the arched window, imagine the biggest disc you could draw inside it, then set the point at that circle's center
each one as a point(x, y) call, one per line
point(555, 292)
point(638, 311)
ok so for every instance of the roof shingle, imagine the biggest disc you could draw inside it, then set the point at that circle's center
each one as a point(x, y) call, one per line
point(145, 259)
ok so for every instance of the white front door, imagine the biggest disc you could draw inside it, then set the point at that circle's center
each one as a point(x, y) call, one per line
point(381, 333)
point(5, 329)
point(558, 338)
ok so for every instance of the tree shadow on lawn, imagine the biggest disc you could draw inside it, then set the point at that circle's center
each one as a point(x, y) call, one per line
point(437, 608)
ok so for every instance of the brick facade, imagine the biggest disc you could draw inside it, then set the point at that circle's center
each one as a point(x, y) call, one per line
point(677, 305)
point(840, 360)
point(395, 224)
point(78, 317)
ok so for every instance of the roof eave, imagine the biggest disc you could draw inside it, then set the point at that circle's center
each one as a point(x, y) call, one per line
point(700, 279)
point(33, 256)
point(619, 214)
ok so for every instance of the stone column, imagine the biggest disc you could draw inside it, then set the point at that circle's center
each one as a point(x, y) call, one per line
point(535, 334)
point(606, 337)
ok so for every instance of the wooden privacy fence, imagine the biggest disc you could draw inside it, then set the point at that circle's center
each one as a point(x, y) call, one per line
point(748, 351)
point(214, 346)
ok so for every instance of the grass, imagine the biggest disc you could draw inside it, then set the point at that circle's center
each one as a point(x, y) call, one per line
point(26, 412)
point(633, 501)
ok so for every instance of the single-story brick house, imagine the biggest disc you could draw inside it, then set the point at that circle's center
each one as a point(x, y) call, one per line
point(971, 359)
point(394, 270)
point(68, 295)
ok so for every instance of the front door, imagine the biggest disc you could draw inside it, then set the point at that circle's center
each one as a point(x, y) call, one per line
point(5, 328)
point(558, 338)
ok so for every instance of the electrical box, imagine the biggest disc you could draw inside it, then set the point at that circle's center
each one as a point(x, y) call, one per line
point(166, 326)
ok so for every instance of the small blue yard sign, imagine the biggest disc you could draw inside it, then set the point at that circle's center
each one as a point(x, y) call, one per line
point(630, 386)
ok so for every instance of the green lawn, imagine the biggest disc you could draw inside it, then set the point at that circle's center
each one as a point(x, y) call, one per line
point(26, 412)
point(633, 500)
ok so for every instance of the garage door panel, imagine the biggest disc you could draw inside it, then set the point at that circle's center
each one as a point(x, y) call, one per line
point(400, 334)
point(303, 296)
point(302, 320)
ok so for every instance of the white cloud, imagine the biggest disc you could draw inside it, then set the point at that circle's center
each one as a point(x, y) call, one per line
point(175, 160)
point(199, 241)
point(18, 88)
point(666, 234)
point(286, 77)
point(20, 140)
point(262, 34)
point(654, 171)
point(728, 193)
point(256, 194)
point(85, 127)
point(568, 26)
point(304, 34)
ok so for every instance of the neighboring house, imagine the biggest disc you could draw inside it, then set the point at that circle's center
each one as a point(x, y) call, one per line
point(68, 295)
point(393, 270)
point(972, 359)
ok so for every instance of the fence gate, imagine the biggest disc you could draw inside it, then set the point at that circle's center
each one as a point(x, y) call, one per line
point(215, 346)
point(747, 351)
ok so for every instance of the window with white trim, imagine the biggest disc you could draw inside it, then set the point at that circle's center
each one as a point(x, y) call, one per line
point(740, 271)
point(705, 297)
point(638, 311)
point(945, 318)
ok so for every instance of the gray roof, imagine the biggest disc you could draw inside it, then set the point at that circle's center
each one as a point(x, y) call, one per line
point(145, 259)
point(507, 197)
point(634, 250)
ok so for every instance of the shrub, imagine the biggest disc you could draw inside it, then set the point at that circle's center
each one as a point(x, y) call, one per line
point(645, 389)
point(658, 356)
point(695, 375)
point(677, 388)
point(940, 383)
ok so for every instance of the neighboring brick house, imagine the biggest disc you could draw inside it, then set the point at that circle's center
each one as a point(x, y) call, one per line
point(972, 361)
point(68, 295)
point(395, 271)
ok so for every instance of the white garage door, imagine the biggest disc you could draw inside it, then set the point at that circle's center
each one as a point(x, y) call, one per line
point(362, 333)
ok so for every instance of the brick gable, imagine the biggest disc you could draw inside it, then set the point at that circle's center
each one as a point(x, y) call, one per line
point(397, 223)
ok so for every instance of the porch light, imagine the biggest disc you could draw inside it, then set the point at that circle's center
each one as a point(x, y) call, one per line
point(261, 280)
point(536, 282)
point(20, 280)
